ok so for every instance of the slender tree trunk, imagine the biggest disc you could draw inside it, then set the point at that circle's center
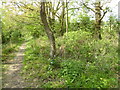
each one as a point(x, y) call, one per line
point(49, 11)
point(97, 20)
point(110, 25)
point(66, 17)
point(48, 30)
point(50, 15)
point(62, 19)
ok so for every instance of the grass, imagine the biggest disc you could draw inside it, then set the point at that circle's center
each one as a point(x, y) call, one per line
point(9, 49)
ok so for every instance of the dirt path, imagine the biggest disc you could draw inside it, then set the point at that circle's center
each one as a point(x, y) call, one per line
point(12, 77)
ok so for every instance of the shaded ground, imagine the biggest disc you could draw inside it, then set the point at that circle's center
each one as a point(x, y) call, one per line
point(11, 76)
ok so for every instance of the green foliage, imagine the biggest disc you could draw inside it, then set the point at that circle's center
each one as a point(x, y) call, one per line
point(97, 74)
point(42, 68)
point(11, 35)
point(76, 43)
point(85, 22)
point(83, 74)
point(82, 22)
point(35, 31)
point(8, 51)
point(89, 56)
point(87, 64)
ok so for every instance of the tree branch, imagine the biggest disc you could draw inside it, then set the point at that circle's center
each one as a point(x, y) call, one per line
point(88, 7)
point(74, 8)
point(103, 15)
point(57, 8)
point(23, 22)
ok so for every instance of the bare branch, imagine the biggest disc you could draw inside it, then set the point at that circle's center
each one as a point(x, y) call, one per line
point(88, 7)
point(103, 15)
point(74, 8)
point(57, 15)
point(57, 8)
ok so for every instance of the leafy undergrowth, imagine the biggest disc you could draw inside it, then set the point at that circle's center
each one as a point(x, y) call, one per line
point(85, 64)
point(9, 49)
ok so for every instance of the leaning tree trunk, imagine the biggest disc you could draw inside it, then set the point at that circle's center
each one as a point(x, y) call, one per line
point(48, 30)
point(97, 20)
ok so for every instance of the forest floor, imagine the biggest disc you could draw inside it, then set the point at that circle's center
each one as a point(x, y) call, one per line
point(11, 76)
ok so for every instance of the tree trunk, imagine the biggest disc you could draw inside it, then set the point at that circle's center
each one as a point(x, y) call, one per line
point(110, 24)
point(48, 30)
point(66, 17)
point(50, 15)
point(62, 19)
point(97, 20)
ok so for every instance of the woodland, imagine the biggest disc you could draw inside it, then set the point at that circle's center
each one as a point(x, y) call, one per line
point(69, 44)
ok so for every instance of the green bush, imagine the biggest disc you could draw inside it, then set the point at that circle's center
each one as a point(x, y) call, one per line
point(11, 36)
point(78, 73)
point(88, 63)
point(76, 44)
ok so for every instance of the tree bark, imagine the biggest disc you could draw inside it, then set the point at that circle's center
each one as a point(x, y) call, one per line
point(66, 17)
point(62, 18)
point(97, 20)
point(48, 31)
